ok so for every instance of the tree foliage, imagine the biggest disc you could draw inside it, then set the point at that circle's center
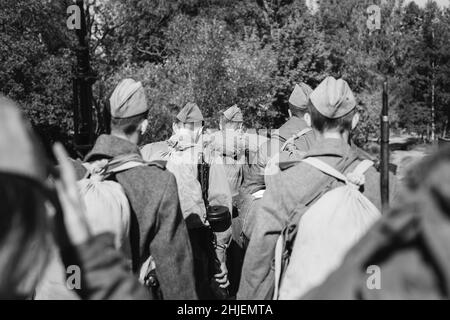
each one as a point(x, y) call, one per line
point(221, 52)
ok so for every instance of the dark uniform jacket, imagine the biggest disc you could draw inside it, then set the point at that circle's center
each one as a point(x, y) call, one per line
point(287, 193)
point(157, 224)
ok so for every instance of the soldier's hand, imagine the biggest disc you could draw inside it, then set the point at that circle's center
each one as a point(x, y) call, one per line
point(222, 278)
point(74, 213)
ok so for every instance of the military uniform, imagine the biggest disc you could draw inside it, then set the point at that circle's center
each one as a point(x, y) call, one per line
point(157, 227)
point(254, 184)
point(293, 190)
point(230, 144)
point(410, 245)
point(285, 192)
point(182, 160)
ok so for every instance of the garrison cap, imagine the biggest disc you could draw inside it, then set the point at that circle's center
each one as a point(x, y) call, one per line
point(234, 114)
point(128, 99)
point(300, 96)
point(190, 113)
point(20, 150)
point(333, 98)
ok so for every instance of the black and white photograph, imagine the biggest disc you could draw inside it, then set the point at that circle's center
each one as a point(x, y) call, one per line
point(224, 154)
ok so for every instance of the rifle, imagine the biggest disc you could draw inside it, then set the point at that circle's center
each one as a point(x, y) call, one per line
point(203, 178)
point(384, 165)
point(215, 268)
point(83, 79)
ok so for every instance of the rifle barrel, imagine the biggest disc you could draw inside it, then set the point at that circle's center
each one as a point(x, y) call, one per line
point(384, 181)
point(83, 79)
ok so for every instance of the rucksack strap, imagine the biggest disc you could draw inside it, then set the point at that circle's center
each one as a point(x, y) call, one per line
point(118, 164)
point(325, 168)
point(295, 136)
point(363, 166)
point(124, 167)
point(124, 162)
point(360, 169)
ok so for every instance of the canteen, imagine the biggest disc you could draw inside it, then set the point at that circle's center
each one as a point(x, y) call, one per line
point(219, 218)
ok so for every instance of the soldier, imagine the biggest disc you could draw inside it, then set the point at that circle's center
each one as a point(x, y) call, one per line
point(154, 151)
point(229, 142)
point(298, 102)
point(254, 185)
point(186, 147)
point(332, 115)
point(388, 262)
point(157, 226)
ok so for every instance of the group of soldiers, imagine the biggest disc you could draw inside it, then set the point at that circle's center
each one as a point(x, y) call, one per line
point(258, 182)
point(207, 208)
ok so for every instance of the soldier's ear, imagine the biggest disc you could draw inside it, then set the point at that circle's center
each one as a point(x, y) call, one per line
point(307, 118)
point(355, 120)
point(144, 126)
point(290, 113)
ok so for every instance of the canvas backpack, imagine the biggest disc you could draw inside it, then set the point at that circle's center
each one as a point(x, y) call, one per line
point(107, 210)
point(325, 233)
point(102, 194)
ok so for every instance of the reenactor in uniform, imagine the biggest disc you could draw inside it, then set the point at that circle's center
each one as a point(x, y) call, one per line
point(229, 142)
point(202, 186)
point(288, 134)
point(332, 115)
point(389, 261)
point(157, 226)
point(298, 102)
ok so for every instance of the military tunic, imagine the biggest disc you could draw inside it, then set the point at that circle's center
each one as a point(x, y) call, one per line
point(289, 191)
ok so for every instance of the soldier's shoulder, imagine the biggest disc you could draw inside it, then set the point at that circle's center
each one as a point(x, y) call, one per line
point(159, 164)
point(290, 158)
point(152, 168)
point(154, 145)
point(153, 176)
point(153, 151)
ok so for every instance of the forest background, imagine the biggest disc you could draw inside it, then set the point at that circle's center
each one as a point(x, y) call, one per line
point(223, 52)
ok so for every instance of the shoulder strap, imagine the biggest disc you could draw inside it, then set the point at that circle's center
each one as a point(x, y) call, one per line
point(124, 167)
point(123, 163)
point(296, 136)
point(363, 166)
point(360, 169)
point(325, 168)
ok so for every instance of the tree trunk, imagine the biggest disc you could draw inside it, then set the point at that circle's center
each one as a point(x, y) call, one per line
point(433, 111)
